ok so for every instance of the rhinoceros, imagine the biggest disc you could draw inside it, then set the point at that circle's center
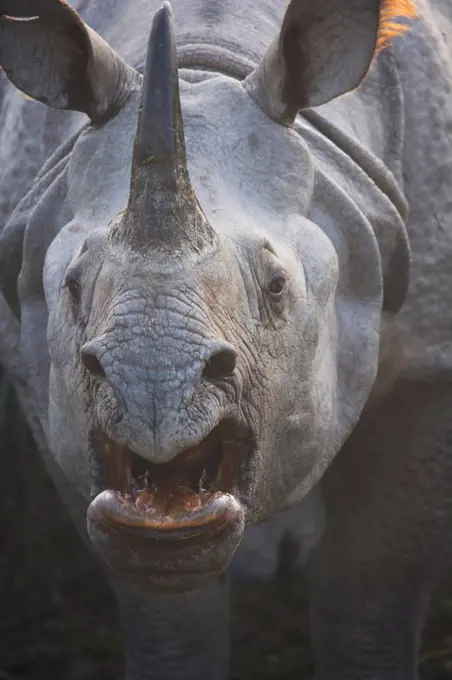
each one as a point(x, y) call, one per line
point(226, 275)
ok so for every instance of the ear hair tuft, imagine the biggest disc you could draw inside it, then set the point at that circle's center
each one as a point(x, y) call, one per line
point(389, 28)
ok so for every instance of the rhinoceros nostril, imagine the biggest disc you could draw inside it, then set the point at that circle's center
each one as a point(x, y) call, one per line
point(92, 363)
point(220, 365)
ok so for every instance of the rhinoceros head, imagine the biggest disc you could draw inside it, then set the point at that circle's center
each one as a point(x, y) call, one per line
point(212, 337)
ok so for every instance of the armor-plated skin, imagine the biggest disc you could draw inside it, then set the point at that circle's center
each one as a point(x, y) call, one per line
point(292, 276)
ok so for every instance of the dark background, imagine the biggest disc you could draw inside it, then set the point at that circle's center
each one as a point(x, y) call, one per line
point(58, 619)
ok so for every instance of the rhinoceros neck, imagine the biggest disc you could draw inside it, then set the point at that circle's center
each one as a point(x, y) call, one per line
point(357, 144)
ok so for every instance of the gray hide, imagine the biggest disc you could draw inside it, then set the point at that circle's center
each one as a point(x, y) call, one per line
point(255, 304)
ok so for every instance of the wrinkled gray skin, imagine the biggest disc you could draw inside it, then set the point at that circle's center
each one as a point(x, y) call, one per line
point(338, 199)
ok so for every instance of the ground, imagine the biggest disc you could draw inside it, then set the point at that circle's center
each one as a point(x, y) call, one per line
point(58, 620)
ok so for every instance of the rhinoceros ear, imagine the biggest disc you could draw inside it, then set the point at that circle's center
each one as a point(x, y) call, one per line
point(324, 49)
point(50, 54)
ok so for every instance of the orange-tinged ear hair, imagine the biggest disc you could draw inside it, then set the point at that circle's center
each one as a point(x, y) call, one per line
point(389, 27)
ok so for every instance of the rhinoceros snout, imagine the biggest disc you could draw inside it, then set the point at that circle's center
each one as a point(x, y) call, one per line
point(219, 362)
point(159, 395)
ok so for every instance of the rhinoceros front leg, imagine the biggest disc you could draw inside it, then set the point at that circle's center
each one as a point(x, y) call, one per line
point(388, 537)
point(177, 636)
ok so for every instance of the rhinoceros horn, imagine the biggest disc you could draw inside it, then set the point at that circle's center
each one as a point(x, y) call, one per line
point(163, 211)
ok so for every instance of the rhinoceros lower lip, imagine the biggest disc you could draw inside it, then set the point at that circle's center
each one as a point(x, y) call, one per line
point(191, 498)
point(212, 516)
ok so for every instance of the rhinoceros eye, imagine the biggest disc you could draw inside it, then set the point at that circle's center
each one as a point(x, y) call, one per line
point(277, 285)
point(72, 284)
point(72, 279)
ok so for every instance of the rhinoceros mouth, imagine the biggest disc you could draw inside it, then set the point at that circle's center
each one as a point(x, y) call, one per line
point(220, 463)
point(173, 510)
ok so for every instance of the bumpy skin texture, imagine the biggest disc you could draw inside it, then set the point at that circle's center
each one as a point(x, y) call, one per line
point(98, 332)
